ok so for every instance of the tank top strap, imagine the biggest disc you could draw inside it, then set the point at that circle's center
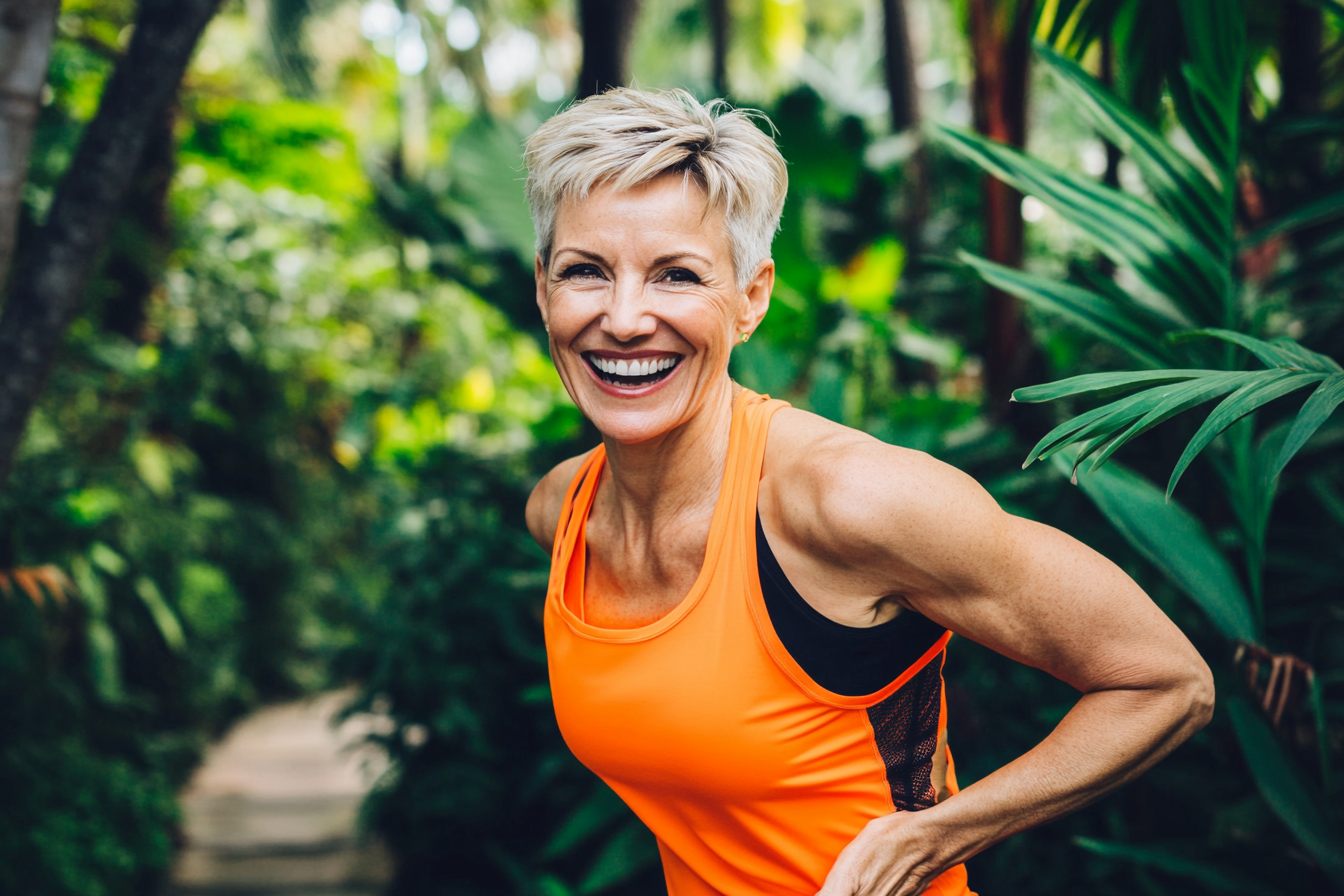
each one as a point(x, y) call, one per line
point(574, 513)
point(752, 413)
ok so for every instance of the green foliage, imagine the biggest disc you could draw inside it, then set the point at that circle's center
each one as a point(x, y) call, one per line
point(482, 787)
point(1177, 241)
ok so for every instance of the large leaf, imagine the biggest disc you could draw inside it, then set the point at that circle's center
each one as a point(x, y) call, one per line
point(1315, 411)
point(1114, 424)
point(1126, 327)
point(1127, 230)
point(1281, 352)
point(1267, 386)
point(1180, 187)
point(1102, 383)
point(1283, 788)
point(1208, 95)
point(1170, 538)
point(1220, 880)
point(1168, 401)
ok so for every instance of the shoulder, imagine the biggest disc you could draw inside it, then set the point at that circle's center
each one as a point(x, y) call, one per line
point(850, 499)
point(548, 499)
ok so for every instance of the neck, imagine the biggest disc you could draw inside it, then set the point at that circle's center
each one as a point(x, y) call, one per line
point(678, 472)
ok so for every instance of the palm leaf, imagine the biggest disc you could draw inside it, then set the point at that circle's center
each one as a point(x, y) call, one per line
point(1315, 411)
point(1173, 540)
point(1129, 327)
point(1127, 230)
point(1267, 386)
point(1179, 187)
point(1281, 352)
point(1172, 400)
point(1287, 794)
point(1103, 383)
point(1207, 96)
point(1218, 879)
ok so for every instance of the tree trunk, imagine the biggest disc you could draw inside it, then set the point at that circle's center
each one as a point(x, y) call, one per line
point(720, 31)
point(50, 284)
point(899, 67)
point(26, 31)
point(1000, 46)
point(606, 26)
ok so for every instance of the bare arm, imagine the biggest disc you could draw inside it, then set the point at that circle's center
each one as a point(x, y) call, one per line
point(896, 525)
point(548, 499)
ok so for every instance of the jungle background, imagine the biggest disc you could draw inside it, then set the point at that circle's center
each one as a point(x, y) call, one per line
point(273, 392)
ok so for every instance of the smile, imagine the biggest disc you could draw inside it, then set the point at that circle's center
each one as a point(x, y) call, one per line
point(632, 373)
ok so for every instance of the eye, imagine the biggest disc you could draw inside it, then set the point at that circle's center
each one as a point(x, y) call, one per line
point(680, 275)
point(581, 271)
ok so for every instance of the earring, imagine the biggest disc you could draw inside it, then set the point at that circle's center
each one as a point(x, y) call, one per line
point(745, 337)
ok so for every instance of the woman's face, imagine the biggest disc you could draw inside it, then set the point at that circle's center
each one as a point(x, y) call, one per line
point(642, 305)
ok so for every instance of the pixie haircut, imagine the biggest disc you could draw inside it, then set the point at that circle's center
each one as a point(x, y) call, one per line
point(625, 138)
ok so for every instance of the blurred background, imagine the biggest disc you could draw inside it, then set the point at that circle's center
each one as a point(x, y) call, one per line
point(273, 392)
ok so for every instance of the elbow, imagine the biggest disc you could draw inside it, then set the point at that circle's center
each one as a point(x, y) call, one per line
point(1199, 698)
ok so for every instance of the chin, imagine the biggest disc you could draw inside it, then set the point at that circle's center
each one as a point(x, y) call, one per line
point(630, 410)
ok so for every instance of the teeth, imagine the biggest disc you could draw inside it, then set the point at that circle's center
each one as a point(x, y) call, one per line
point(645, 367)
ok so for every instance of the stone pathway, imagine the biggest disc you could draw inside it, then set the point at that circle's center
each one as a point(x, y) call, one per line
point(272, 811)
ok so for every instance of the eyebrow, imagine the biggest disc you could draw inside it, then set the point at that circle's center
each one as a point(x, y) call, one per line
point(661, 259)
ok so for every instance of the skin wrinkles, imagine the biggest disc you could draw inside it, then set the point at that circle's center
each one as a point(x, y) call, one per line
point(864, 530)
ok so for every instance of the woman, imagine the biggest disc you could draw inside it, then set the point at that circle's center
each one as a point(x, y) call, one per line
point(749, 605)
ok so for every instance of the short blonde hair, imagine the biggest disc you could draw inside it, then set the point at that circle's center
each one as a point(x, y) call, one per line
point(628, 137)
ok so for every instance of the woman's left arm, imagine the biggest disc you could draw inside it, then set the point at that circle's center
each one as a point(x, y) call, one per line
point(1036, 595)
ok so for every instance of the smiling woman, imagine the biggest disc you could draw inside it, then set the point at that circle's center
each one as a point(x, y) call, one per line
point(749, 605)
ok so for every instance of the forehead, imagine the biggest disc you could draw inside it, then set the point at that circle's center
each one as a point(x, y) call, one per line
point(671, 203)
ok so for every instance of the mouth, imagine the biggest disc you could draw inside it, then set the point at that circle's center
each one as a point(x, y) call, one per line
point(632, 373)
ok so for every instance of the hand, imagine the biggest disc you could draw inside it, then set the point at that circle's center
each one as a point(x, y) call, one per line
point(894, 855)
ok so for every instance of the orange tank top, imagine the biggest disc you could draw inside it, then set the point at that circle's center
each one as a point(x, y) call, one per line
point(752, 777)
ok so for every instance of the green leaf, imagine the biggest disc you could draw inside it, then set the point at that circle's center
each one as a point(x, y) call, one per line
point(1105, 420)
point(1092, 312)
point(161, 613)
point(1180, 187)
point(1282, 352)
point(1127, 230)
point(1325, 209)
point(591, 816)
point(1315, 411)
point(1208, 874)
point(1174, 541)
point(1283, 788)
point(1208, 95)
point(1173, 400)
point(1104, 382)
point(630, 851)
point(1267, 386)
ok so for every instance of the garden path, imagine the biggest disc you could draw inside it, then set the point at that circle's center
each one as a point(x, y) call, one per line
point(272, 811)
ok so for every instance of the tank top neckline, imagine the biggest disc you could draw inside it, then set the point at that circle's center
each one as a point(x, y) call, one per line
point(570, 556)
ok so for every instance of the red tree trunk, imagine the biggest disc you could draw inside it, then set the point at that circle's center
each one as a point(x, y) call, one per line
point(1000, 45)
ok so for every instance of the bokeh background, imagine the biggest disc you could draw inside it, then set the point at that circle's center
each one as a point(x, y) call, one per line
point(273, 392)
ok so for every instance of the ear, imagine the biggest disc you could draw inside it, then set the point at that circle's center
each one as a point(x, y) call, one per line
point(757, 297)
point(539, 273)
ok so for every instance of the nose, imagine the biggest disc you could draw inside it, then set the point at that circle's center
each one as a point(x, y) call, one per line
point(628, 316)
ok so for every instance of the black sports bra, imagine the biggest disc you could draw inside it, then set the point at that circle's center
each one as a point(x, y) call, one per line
point(849, 661)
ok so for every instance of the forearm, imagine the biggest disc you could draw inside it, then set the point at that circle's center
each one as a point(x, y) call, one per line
point(1108, 738)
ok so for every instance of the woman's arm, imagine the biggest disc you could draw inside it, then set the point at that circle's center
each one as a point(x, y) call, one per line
point(896, 525)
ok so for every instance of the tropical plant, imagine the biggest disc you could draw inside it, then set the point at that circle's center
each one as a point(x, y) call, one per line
point(1187, 312)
